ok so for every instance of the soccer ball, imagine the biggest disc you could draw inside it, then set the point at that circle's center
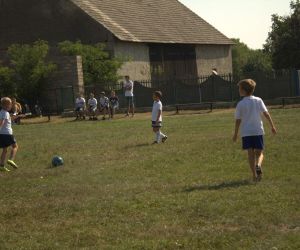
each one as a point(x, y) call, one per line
point(57, 161)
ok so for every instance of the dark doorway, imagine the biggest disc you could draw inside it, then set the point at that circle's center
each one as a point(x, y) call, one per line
point(172, 61)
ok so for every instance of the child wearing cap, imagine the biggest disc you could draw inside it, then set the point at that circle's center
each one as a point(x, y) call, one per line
point(104, 105)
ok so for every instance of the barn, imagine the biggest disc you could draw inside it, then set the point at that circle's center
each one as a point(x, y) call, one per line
point(162, 38)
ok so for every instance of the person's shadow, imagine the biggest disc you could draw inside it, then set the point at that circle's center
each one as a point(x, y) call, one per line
point(223, 185)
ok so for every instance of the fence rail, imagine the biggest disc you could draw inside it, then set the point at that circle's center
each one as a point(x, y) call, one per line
point(213, 88)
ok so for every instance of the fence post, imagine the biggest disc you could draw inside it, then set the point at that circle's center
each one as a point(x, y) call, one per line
point(56, 102)
point(231, 87)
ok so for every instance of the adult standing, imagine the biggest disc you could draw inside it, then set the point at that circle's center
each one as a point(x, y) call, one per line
point(128, 86)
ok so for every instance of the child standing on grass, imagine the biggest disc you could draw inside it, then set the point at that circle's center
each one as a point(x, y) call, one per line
point(157, 118)
point(6, 135)
point(113, 103)
point(248, 117)
point(104, 104)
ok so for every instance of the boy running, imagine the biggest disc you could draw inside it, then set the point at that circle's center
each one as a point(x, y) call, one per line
point(157, 118)
point(6, 135)
point(248, 117)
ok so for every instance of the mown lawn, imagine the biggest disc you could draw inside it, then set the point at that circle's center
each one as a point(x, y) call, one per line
point(117, 191)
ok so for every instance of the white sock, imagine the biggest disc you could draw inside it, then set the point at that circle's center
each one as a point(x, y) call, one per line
point(162, 135)
point(157, 137)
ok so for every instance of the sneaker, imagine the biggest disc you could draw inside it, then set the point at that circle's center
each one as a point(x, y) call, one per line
point(258, 172)
point(155, 142)
point(4, 169)
point(163, 140)
point(13, 164)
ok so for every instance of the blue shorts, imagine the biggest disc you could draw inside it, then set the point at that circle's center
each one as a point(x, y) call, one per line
point(254, 142)
point(7, 141)
point(130, 100)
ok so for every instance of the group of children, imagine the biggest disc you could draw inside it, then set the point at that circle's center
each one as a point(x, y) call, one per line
point(107, 106)
point(248, 117)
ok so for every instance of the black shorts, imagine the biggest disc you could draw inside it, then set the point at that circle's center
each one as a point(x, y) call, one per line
point(7, 141)
point(79, 109)
point(156, 124)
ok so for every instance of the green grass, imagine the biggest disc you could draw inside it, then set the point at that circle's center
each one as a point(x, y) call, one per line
point(116, 191)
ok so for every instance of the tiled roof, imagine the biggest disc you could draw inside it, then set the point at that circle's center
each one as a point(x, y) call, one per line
point(155, 21)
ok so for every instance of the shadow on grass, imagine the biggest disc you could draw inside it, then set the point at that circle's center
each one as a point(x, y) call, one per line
point(138, 145)
point(223, 185)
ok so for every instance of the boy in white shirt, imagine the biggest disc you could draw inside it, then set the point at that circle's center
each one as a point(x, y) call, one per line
point(248, 117)
point(104, 105)
point(80, 107)
point(6, 135)
point(92, 103)
point(157, 118)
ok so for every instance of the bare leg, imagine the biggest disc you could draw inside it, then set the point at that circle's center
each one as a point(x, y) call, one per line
point(259, 157)
point(132, 109)
point(13, 152)
point(252, 163)
point(3, 156)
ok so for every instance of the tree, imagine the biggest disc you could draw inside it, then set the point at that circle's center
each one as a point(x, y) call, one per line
point(247, 62)
point(30, 68)
point(7, 86)
point(98, 66)
point(283, 42)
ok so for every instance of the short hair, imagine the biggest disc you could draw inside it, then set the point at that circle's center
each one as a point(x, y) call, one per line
point(102, 93)
point(5, 101)
point(158, 94)
point(248, 85)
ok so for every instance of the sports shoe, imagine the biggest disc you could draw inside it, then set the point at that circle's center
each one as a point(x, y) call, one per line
point(13, 164)
point(258, 172)
point(4, 169)
point(155, 142)
point(163, 140)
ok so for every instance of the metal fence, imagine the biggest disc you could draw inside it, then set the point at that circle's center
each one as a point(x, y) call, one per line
point(213, 88)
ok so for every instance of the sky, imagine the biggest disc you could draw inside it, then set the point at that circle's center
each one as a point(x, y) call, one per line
point(249, 20)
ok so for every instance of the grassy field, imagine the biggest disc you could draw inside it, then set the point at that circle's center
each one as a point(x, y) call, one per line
point(117, 191)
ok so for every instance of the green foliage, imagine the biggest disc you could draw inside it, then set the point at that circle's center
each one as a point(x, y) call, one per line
point(284, 39)
point(30, 68)
point(247, 61)
point(7, 86)
point(98, 66)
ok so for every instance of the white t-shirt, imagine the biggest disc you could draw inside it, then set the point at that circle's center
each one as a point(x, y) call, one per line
point(80, 102)
point(5, 129)
point(157, 106)
point(128, 88)
point(249, 110)
point(92, 102)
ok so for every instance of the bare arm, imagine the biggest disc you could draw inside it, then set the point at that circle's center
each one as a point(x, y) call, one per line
point(158, 116)
point(269, 118)
point(236, 129)
point(1, 123)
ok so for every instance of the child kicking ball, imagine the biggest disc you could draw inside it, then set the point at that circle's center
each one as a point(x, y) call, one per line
point(248, 117)
point(6, 135)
